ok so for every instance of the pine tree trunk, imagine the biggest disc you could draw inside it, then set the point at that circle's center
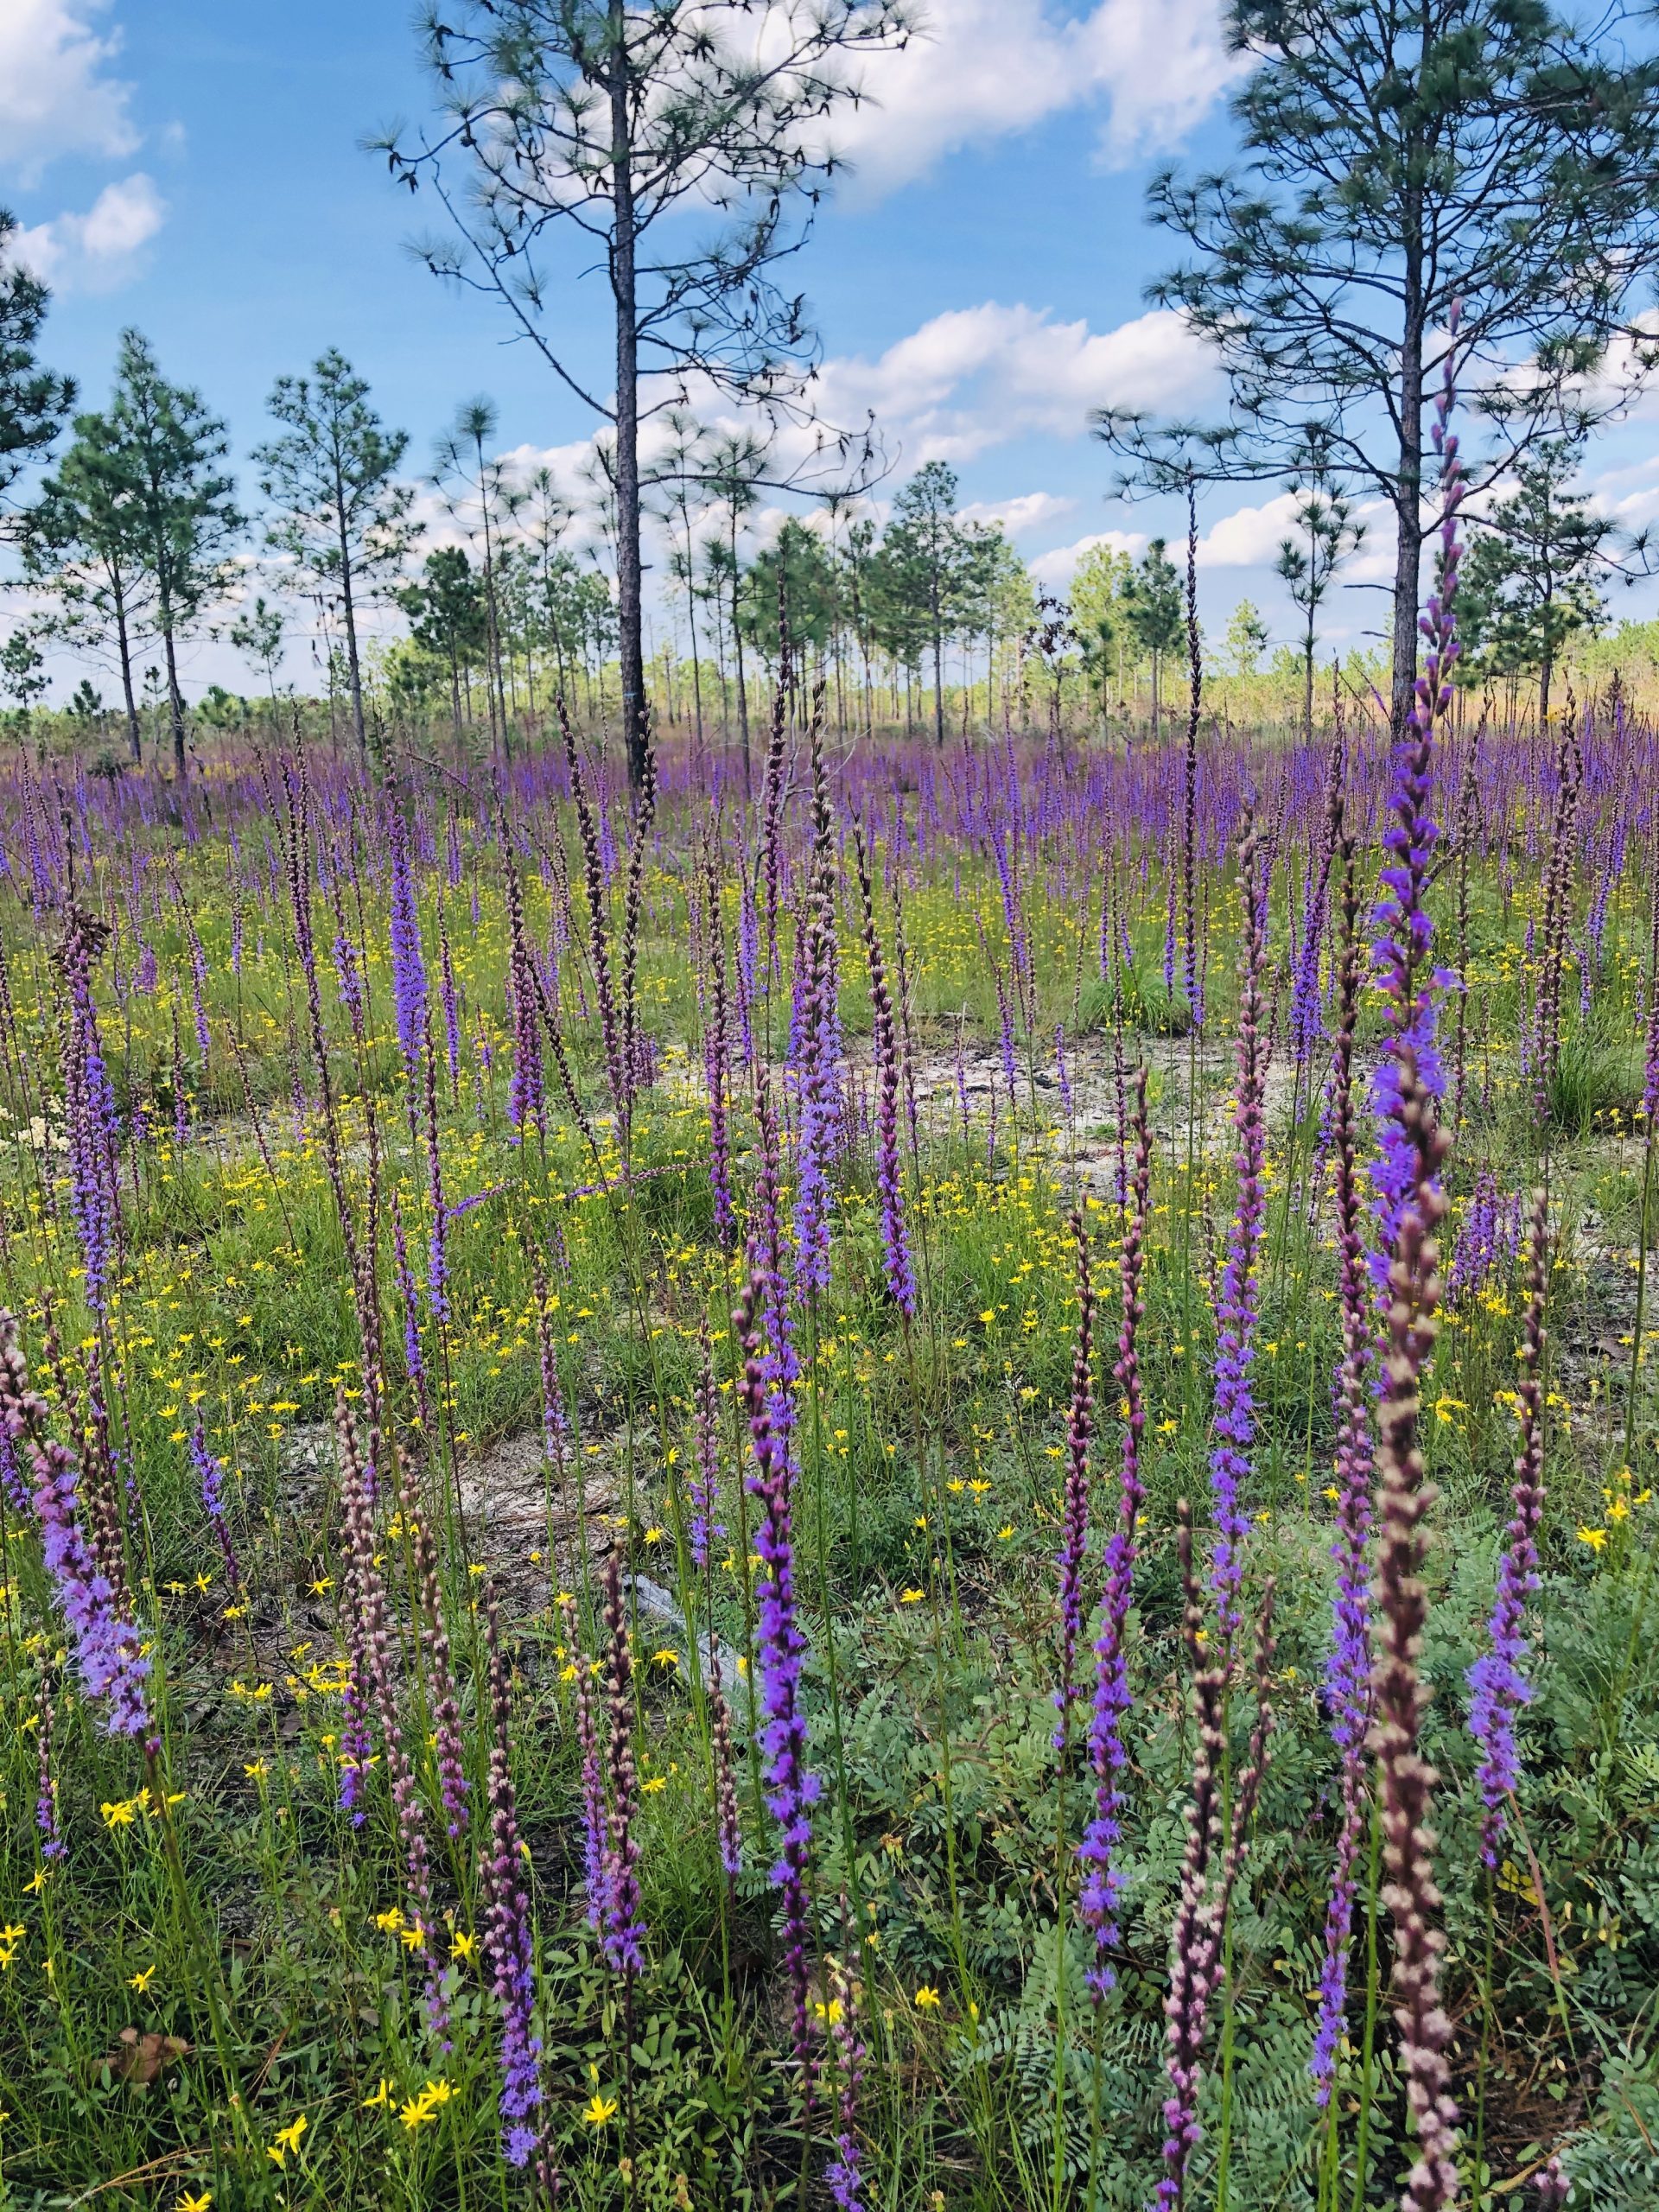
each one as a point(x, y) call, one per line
point(1408, 509)
point(630, 637)
point(737, 657)
point(123, 647)
point(691, 625)
point(174, 696)
point(494, 690)
point(353, 672)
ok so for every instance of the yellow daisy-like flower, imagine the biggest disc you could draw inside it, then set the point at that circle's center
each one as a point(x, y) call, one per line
point(286, 2140)
point(927, 1998)
point(419, 2110)
point(599, 2109)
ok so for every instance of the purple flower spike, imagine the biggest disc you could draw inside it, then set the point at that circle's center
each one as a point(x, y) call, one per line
point(624, 1930)
point(210, 1473)
point(1097, 1905)
point(46, 1793)
point(816, 1040)
point(791, 1787)
point(91, 1590)
point(1074, 1508)
point(595, 1876)
point(90, 1119)
point(705, 1482)
point(408, 962)
point(507, 1949)
point(1497, 1677)
point(1347, 1677)
point(844, 2176)
point(895, 1242)
point(1411, 1208)
point(1236, 1307)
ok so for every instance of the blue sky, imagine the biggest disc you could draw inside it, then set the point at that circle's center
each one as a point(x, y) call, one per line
point(194, 168)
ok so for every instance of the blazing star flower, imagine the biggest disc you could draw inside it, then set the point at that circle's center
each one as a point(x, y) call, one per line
point(705, 1481)
point(408, 961)
point(791, 1787)
point(895, 1242)
point(1237, 1305)
point(1497, 1678)
point(1347, 1678)
point(211, 1475)
point(1098, 1903)
point(815, 1037)
point(90, 1119)
point(843, 2177)
point(1074, 1509)
point(109, 1650)
point(508, 1955)
point(624, 1929)
point(1410, 1208)
point(594, 1817)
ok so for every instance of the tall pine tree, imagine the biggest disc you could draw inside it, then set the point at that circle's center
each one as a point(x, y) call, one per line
point(1407, 166)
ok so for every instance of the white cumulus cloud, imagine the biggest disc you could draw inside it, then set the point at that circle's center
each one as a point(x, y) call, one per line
point(974, 377)
point(982, 69)
point(56, 96)
point(1055, 570)
point(94, 251)
point(1249, 537)
point(1027, 510)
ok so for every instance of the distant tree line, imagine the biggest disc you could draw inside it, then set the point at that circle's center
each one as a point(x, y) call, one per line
point(1464, 191)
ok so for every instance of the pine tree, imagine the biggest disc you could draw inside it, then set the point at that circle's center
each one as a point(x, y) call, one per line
point(339, 515)
point(32, 400)
point(928, 558)
point(1246, 639)
point(479, 495)
point(1100, 616)
point(1155, 611)
point(82, 542)
point(1533, 574)
point(259, 632)
point(615, 120)
point(1407, 171)
point(1328, 531)
point(185, 520)
point(794, 578)
point(446, 614)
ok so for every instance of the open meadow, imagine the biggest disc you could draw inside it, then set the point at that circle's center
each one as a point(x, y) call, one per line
point(827, 1274)
point(688, 1484)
